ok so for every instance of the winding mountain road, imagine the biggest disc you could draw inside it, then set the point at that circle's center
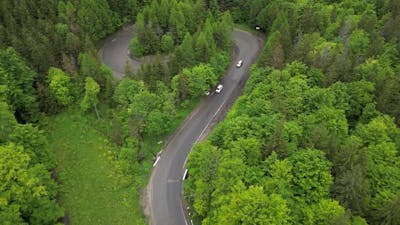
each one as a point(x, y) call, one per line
point(115, 52)
point(164, 191)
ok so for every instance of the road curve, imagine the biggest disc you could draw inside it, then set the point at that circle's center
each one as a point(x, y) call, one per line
point(115, 52)
point(165, 186)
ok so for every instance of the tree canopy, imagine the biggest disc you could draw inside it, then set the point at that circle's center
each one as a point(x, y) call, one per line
point(313, 140)
point(314, 155)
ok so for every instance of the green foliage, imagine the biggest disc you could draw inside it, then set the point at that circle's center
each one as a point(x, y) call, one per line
point(231, 171)
point(202, 164)
point(199, 79)
point(162, 24)
point(179, 86)
point(89, 66)
point(158, 123)
point(135, 48)
point(126, 90)
point(280, 176)
point(357, 220)
point(59, 39)
point(195, 82)
point(60, 86)
point(250, 148)
point(219, 62)
point(167, 43)
point(205, 44)
point(90, 171)
point(177, 24)
point(35, 145)
point(96, 18)
point(90, 98)
point(153, 73)
point(359, 94)
point(148, 41)
point(203, 48)
point(351, 185)
point(380, 138)
point(359, 42)
point(222, 31)
point(319, 148)
point(273, 53)
point(388, 99)
point(128, 157)
point(334, 37)
point(125, 9)
point(142, 111)
point(387, 205)
point(27, 192)
point(184, 56)
point(334, 99)
point(19, 92)
point(329, 212)
point(7, 120)
point(252, 206)
point(29, 28)
point(324, 128)
point(281, 24)
point(311, 176)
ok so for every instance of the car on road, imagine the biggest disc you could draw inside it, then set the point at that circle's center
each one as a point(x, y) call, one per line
point(219, 88)
point(239, 63)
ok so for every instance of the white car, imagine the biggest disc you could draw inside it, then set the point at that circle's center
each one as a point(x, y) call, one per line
point(239, 63)
point(219, 88)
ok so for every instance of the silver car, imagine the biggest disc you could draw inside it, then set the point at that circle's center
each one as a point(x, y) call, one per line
point(239, 63)
point(219, 88)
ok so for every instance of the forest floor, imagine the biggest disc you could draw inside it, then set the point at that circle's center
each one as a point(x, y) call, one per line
point(91, 192)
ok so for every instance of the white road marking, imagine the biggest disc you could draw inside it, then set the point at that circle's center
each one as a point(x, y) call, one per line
point(204, 129)
point(184, 125)
point(197, 140)
point(184, 174)
point(155, 163)
point(113, 40)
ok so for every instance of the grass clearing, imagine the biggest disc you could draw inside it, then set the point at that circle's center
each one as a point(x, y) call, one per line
point(91, 191)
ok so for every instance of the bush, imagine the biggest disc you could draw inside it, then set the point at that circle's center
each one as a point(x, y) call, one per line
point(219, 63)
point(135, 48)
point(167, 43)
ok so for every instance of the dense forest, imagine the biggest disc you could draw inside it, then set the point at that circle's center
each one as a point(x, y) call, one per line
point(45, 49)
point(49, 65)
point(314, 139)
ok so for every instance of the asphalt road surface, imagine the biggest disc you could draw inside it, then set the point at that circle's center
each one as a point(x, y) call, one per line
point(115, 52)
point(164, 191)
